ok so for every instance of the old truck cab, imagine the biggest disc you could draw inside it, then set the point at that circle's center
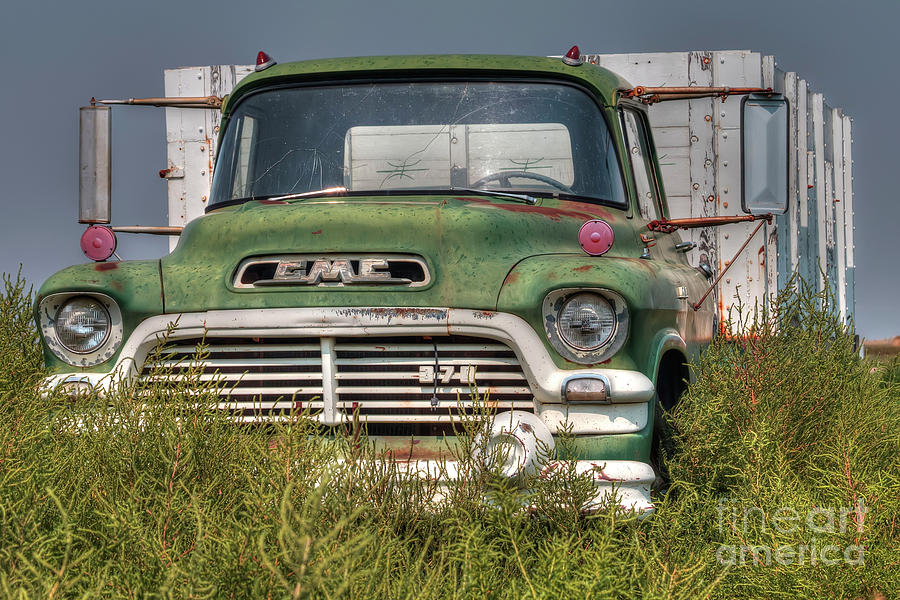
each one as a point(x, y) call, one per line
point(390, 238)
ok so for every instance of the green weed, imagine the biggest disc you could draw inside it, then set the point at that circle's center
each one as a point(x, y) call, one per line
point(152, 492)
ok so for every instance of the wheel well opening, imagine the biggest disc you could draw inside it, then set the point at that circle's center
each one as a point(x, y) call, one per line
point(671, 379)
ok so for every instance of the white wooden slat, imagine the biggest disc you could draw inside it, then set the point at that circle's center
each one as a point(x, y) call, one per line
point(848, 192)
point(671, 137)
point(701, 131)
point(790, 92)
point(819, 153)
point(768, 269)
point(837, 198)
point(676, 174)
point(803, 160)
point(647, 69)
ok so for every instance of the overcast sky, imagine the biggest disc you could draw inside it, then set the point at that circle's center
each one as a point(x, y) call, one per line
point(58, 55)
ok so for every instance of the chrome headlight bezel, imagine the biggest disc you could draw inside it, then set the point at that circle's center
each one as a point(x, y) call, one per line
point(49, 308)
point(551, 309)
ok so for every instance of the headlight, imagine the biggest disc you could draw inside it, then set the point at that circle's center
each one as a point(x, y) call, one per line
point(82, 324)
point(586, 321)
point(586, 326)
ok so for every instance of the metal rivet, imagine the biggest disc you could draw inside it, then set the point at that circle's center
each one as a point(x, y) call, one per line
point(708, 163)
point(728, 280)
point(723, 114)
point(726, 236)
point(203, 172)
point(694, 139)
point(696, 186)
point(708, 118)
point(724, 163)
point(724, 136)
point(724, 205)
point(710, 198)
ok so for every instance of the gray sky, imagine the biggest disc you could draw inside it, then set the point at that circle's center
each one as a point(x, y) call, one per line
point(60, 54)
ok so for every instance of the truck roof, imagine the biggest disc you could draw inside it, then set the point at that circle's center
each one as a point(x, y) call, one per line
point(600, 81)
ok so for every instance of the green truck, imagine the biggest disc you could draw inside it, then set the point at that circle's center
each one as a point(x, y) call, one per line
point(387, 239)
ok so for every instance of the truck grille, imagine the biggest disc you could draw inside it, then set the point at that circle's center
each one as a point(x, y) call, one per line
point(382, 379)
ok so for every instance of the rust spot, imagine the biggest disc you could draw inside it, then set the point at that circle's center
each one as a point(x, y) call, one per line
point(391, 313)
point(483, 314)
point(548, 469)
point(583, 268)
point(117, 285)
point(526, 427)
point(380, 348)
point(511, 277)
point(598, 470)
point(317, 232)
point(106, 266)
point(406, 450)
point(272, 202)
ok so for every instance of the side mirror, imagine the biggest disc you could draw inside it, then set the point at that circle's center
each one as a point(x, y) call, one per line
point(764, 153)
point(94, 159)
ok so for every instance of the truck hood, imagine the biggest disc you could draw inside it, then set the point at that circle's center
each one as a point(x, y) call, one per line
point(470, 244)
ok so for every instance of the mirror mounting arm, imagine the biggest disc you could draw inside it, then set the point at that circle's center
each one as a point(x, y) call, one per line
point(670, 225)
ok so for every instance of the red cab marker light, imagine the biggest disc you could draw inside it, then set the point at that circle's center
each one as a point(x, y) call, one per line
point(573, 57)
point(98, 242)
point(596, 237)
point(263, 61)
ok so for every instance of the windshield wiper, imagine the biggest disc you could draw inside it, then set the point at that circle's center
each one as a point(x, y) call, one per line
point(526, 198)
point(332, 191)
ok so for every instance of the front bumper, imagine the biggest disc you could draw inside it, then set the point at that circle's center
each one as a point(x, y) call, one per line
point(620, 484)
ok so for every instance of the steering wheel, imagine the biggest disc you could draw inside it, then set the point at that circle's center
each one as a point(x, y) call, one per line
point(504, 176)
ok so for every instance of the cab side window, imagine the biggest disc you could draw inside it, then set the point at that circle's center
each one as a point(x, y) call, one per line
point(639, 153)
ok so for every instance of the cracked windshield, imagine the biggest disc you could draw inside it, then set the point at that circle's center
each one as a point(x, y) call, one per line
point(515, 136)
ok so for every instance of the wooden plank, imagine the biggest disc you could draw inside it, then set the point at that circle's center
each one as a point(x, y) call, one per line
point(849, 229)
point(793, 214)
point(837, 199)
point(702, 160)
point(819, 237)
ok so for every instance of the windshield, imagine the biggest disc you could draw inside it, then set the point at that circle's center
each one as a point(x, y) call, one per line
point(533, 137)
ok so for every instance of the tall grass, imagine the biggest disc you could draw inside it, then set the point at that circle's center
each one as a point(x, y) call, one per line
point(150, 493)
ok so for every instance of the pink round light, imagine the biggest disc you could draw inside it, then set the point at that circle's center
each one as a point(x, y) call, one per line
point(596, 237)
point(98, 242)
